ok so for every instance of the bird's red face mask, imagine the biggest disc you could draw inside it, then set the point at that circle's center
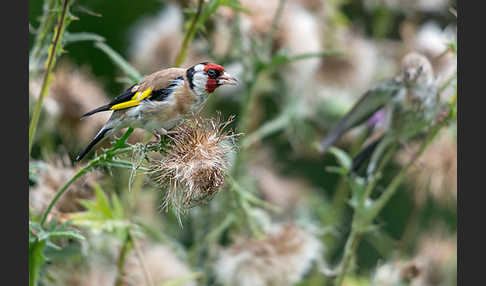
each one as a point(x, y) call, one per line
point(217, 77)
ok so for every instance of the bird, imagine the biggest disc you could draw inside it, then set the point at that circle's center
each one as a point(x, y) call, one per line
point(410, 101)
point(161, 100)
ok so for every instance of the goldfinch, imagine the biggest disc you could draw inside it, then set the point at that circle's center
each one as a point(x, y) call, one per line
point(411, 103)
point(161, 100)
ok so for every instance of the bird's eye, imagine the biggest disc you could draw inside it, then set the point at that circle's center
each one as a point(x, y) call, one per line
point(212, 73)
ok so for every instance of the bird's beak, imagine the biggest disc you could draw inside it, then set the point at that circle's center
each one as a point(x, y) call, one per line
point(227, 79)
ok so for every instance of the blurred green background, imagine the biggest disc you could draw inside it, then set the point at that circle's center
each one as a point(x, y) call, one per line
point(115, 23)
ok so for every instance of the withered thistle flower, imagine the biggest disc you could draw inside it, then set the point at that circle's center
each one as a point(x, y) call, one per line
point(162, 265)
point(51, 178)
point(196, 160)
point(282, 258)
point(434, 264)
point(436, 172)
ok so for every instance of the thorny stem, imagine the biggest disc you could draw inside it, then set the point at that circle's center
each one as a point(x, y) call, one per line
point(47, 21)
point(47, 75)
point(189, 35)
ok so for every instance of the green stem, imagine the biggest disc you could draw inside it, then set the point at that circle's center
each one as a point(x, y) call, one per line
point(363, 217)
point(189, 35)
point(214, 235)
point(268, 128)
point(47, 75)
point(35, 261)
point(64, 188)
point(252, 198)
point(374, 180)
point(393, 186)
point(116, 150)
point(274, 27)
point(360, 221)
point(349, 251)
point(47, 21)
point(245, 210)
point(127, 245)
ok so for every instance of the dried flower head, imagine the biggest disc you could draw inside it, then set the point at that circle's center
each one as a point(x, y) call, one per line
point(73, 92)
point(161, 263)
point(282, 258)
point(353, 70)
point(388, 274)
point(196, 160)
point(436, 259)
point(436, 172)
point(51, 177)
point(298, 37)
point(434, 264)
point(157, 40)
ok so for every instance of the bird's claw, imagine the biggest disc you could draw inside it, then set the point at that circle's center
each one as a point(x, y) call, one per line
point(154, 142)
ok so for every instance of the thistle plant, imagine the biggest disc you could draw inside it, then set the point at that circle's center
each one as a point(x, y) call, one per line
point(206, 177)
point(195, 162)
point(367, 209)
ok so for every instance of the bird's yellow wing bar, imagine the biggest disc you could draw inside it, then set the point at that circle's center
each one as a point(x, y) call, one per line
point(134, 101)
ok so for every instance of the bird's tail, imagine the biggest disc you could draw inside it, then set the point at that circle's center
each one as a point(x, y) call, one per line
point(93, 142)
point(99, 109)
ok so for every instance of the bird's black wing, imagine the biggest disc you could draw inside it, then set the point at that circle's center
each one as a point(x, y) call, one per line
point(123, 97)
point(367, 105)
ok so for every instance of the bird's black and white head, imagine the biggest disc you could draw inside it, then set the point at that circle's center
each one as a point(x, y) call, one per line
point(416, 70)
point(204, 78)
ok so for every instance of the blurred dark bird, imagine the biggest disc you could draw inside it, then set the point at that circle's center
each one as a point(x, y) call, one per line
point(161, 100)
point(410, 101)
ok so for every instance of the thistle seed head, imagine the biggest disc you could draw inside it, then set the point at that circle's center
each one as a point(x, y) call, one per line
point(282, 258)
point(197, 157)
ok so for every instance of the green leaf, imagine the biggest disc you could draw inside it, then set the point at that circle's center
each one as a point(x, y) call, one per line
point(343, 158)
point(337, 170)
point(235, 5)
point(66, 234)
point(101, 214)
point(117, 207)
point(82, 36)
point(102, 203)
point(123, 164)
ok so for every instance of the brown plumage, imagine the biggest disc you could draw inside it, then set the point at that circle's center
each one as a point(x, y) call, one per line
point(161, 100)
